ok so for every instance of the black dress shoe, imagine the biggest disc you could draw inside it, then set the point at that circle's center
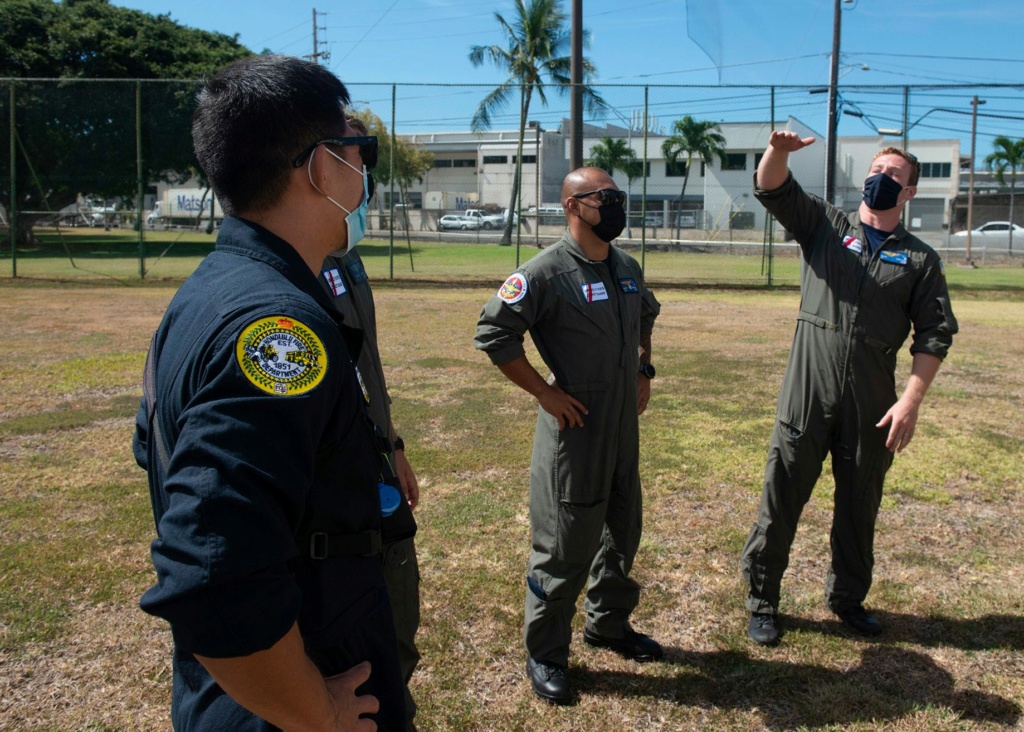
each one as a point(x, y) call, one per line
point(857, 618)
point(632, 645)
point(763, 629)
point(549, 681)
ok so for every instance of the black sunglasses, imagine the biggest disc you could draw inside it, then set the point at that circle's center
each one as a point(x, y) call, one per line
point(367, 149)
point(608, 196)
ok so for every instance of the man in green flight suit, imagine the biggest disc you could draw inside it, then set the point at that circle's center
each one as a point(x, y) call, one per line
point(591, 318)
point(864, 281)
point(344, 278)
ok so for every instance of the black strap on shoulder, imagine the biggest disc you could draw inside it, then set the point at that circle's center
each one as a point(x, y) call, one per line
point(326, 546)
point(156, 436)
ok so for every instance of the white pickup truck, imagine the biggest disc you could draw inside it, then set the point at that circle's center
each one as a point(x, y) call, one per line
point(487, 220)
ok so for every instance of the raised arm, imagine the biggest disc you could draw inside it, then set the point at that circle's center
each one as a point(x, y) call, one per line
point(773, 169)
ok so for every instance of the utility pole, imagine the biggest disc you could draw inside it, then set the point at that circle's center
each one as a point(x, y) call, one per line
point(970, 180)
point(317, 53)
point(833, 93)
point(576, 77)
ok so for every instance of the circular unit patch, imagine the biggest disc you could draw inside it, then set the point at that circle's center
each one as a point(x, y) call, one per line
point(514, 289)
point(281, 356)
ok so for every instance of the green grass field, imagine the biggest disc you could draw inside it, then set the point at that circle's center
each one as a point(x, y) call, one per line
point(95, 255)
point(76, 653)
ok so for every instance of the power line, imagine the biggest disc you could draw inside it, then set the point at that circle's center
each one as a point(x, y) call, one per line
point(943, 58)
point(369, 30)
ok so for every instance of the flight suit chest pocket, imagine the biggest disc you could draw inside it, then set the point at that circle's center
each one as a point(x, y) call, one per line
point(892, 276)
point(587, 306)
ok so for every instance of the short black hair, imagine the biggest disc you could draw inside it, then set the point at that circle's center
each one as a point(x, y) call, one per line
point(254, 116)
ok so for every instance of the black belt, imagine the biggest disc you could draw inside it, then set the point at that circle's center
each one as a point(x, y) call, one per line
point(325, 546)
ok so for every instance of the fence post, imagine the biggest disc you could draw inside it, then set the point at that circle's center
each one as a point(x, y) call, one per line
point(643, 207)
point(13, 213)
point(391, 194)
point(138, 177)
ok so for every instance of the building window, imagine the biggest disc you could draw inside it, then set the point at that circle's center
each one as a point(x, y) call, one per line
point(703, 165)
point(527, 159)
point(936, 170)
point(735, 161)
point(442, 163)
point(757, 159)
point(495, 159)
point(464, 163)
point(676, 169)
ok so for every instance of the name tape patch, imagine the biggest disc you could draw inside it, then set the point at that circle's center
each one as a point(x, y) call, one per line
point(514, 289)
point(594, 291)
point(899, 258)
point(334, 281)
point(281, 356)
point(853, 244)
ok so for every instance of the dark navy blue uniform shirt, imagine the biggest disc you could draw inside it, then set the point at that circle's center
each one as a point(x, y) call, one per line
point(259, 440)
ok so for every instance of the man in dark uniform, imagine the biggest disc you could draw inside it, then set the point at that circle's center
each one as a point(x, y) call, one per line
point(263, 469)
point(590, 316)
point(344, 278)
point(865, 280)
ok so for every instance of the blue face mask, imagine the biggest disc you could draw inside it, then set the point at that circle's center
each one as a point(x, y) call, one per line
point(355, 220)
point(881, 193)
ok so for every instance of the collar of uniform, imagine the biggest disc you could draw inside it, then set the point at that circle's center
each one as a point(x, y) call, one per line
point(249, 239)
point(898, 234)
point(577, 251)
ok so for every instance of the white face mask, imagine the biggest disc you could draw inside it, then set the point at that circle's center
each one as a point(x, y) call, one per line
point(355, 220)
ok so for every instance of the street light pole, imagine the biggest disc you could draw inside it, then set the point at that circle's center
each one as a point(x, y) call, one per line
point(970, 181)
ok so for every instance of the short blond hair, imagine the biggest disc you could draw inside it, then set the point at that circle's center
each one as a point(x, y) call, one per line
point(915, 167)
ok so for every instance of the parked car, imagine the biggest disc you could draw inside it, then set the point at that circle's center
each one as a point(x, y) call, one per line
point(652, 219)
point(993, 233)
point(452, 221)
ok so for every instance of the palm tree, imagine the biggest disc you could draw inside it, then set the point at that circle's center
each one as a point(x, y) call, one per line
point(538, 45)
point(691, 138)
point(611, 154)
point(1009, 154)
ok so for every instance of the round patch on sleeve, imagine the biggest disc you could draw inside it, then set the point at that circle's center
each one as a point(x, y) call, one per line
point(514, 289)
point(280, 355)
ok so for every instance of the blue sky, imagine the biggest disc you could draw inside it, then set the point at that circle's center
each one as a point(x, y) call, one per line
point(753, 42)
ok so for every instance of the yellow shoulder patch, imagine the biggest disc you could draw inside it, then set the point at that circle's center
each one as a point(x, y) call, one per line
point(280, 355)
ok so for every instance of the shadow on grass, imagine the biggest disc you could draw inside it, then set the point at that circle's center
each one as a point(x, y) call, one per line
point(986, 633)
point(888, 684)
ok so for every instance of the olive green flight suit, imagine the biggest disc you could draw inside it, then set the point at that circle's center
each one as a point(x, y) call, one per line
point(856, 311)
point(345, 279)
point(586, 319)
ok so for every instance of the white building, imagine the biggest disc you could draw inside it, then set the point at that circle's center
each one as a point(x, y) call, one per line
point(473, 169)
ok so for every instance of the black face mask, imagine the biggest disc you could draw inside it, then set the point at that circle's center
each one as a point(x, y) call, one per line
point(881, 192)
point(613, 221)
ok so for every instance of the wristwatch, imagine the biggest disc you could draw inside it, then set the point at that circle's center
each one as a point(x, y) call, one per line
point(399, 443)
point(647, 370)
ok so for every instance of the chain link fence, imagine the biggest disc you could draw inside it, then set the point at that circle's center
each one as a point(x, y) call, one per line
point(98, 178)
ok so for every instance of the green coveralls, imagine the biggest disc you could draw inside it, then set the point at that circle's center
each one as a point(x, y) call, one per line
point(856, 310)
point(344, 277)
point(586, 319)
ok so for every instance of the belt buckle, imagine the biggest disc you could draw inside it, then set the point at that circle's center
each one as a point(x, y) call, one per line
point(318, 545)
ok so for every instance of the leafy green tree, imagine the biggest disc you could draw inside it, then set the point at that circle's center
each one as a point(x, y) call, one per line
point(76, 135)
point(692, 139)
point(535, 54)
point(411, 162)
point(611, 154)
point(1008, 155)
